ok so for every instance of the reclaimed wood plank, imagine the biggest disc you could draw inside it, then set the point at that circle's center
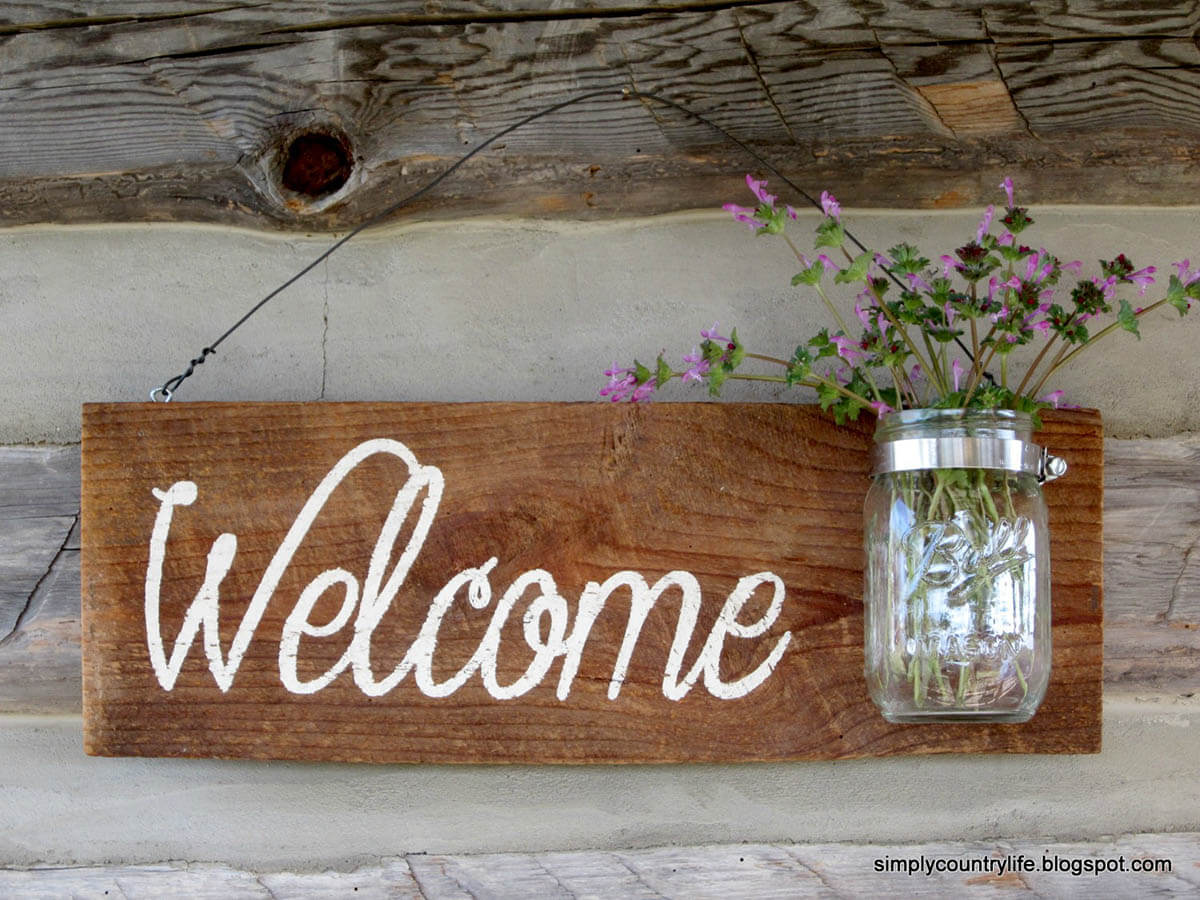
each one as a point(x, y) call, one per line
point(39, 482)
point(586, 490)
point(40, 670)
point(390, 879)
point(728, 872)
point(1146, 481)
point(182, 111)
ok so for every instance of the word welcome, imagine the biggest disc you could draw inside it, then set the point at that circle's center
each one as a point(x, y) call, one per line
point(547, 627)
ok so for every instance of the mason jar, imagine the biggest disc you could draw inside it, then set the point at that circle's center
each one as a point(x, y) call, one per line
point(957, 593)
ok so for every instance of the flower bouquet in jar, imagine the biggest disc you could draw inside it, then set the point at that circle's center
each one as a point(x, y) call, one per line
point(957, 589)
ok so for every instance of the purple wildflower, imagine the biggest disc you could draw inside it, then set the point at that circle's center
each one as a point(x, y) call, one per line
point(830, 265)
point(622, 384)
point(847, 349)
point(1039, 266)
point(880, 407)
point(1143, 278)
point(1043, 326)
point(697, 365)
point(745, 215)
point(916, 374)
point(1054, 398)
point(864, 315)
point(1008, 190)
point(916, 282)
point(710, 334)
point(957, 369)
point(1186, 274)
point(949, 263)
point(1074, 267)
point(984, 225)
point(830, 206)
point(759, 189)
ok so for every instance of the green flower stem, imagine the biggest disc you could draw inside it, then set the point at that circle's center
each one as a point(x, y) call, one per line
point(1004, 371)
point(938, 371)
point(979, 368)
point(903, 332)
point(779, 379)
point(786, 364)
point(974, 333)
point(937, 678)
point(770, 359)
point(829, 305)
point(1111, 328)
point(1037, 360)
point(899, 393)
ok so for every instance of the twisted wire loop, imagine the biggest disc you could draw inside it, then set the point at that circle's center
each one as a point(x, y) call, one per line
point(165, 392)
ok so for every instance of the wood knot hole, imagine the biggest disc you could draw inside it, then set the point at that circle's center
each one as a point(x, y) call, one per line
point(316, 164)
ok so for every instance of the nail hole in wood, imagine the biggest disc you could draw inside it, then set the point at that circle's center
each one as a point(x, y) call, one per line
point(317, 164)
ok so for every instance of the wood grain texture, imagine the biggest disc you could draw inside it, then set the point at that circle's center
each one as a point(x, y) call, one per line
point(1148, 481)
point(729, 871)
point(582, 490)
point(181, 110)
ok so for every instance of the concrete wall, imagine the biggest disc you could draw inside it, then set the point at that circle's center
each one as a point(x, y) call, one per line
point(525, 310)
point(489, 310)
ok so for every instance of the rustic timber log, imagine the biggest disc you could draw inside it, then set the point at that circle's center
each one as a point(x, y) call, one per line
point(178, 110)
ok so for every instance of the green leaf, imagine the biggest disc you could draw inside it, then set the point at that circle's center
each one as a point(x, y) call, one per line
point(664, 373)
point(830, 233)
point(1177, 294)
point(1128, 319)
point(716, 378)
point(825, 347)
point(737, 354)
point(857, 270)
point(812, 275)
point(827, 395)
point(907, 259)
point(799, 366)
point(640, 373)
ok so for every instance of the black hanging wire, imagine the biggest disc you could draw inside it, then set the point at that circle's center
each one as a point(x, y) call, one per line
point(168, 389)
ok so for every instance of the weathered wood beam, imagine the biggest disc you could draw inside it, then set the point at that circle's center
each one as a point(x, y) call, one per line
point(1151, 571)
point(188, 110)
point(729, 871)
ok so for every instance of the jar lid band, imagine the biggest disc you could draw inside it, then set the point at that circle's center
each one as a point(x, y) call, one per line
point(913, 454)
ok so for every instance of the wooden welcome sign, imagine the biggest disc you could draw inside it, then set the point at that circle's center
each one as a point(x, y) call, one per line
point(571, 583)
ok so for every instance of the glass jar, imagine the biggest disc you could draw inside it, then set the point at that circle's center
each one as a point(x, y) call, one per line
point(957, 590)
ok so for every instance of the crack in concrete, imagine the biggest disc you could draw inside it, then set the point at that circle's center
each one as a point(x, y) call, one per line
point(325, 332)
point(28, 609)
